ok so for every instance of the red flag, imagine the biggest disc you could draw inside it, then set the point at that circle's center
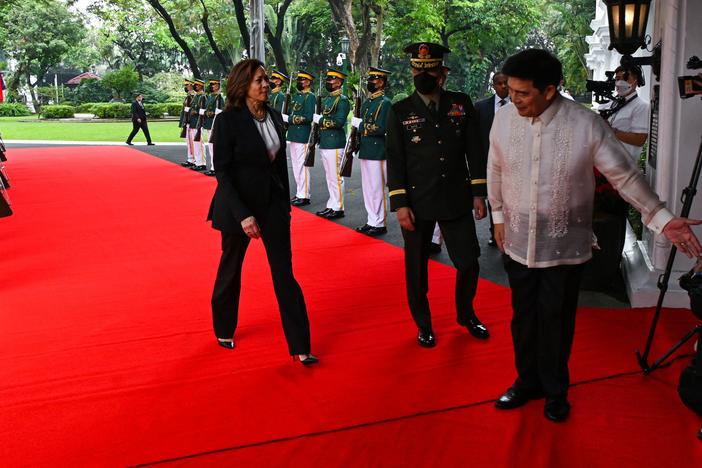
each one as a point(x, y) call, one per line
point(2, 89)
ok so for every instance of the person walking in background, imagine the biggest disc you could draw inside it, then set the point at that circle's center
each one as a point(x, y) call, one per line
point(252, 201)
point(486, 109)
point(139, 120)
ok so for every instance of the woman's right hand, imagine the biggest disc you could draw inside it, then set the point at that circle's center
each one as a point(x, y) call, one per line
point(250, 227)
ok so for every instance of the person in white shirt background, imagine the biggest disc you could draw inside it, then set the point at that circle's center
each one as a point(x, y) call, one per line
point(543, 149)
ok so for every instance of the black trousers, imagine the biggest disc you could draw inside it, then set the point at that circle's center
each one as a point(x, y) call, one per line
point(463, 249)
point(275, 231)
point(544, 301)
point(135, 129)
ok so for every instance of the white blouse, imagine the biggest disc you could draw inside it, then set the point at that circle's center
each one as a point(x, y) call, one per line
point(266, 129)
point(541, 183)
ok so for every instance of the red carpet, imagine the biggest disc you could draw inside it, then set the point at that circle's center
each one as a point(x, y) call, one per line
point(107, 357)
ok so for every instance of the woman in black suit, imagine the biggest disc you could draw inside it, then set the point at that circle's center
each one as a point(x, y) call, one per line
point(252, 201)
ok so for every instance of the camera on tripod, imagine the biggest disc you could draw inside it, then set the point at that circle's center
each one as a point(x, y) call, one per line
point(603, 91)
point(690, 86)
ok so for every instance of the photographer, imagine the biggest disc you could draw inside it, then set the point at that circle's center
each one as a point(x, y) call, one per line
point(629, 113)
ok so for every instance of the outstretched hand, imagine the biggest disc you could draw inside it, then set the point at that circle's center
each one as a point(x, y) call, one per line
point(679, 233)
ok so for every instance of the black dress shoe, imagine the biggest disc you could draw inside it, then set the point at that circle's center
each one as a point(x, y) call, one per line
point(307, 361)
point(556, 409)
point(335, 214)
point(426, 338)
point(514, 398)
point(129, 143)
point(151, 144)
point(300, 201)
point(209, 173)
point(492, 242)
point(377, 231)
point(226, 343)
point(324, 212)
point(187, 164)
point(363, 228)
point(475, 327)
point(199, 168)
point(434, 248)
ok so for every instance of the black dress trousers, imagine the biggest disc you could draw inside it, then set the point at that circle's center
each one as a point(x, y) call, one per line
point(544, 301)
point(463, 249)
point(275, 233)
point(135, 129)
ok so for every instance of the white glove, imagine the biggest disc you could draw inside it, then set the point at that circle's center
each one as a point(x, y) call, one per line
point(218, 111)
point(316, 118)
point(356, 122)
point(187, 109)
point(285, 118)
point(202, 111)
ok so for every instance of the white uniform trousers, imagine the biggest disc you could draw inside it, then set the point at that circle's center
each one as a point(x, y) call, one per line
point(206, 147)
point(301, 173)
point(331, 159)
point(198, 153)
point(189, 145)
point(436, 237)
point(373, 177)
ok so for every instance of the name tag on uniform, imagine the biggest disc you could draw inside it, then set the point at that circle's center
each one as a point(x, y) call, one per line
point(413, 122)
point(456, 110)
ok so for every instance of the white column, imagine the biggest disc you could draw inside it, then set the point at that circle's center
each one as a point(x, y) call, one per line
point(258, 21)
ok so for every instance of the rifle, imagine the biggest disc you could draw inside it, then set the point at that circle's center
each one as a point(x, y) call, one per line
point(200, 119)
point(286, 103)
point(353, 142)
point(183, 124)
point(314, 132)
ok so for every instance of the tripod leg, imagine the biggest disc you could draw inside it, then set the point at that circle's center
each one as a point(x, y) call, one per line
point(690, 334)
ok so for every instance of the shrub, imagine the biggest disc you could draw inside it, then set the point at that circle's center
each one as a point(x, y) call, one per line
point(87, 108)
point(13, 110)
point(174, 108)
point(155, 111)
point(89, 90)
point(57, 112)
point(113, 111)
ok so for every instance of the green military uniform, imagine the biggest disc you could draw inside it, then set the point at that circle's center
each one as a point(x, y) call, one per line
point(213, 102)
point(277, 96)
point(300, 118)
point(213, 105)
point(374, 113)
point(198, 103)
point(301, 113)
point(332, 125)
point(186, 104)
point(183, 123)
point(435, 169)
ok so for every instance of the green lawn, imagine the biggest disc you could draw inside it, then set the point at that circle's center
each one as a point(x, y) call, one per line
point(31, 128)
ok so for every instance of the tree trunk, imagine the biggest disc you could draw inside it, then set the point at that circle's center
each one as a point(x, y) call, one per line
point(375, 46)
point(343, 16)
point(156, 4)
point(275, 39)
point(243, 27)
point(35, 101)
point(211, 40)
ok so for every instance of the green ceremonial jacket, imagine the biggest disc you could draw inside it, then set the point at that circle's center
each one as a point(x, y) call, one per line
point(214, 101)
point(276, 100)
point(374, 113)
point(300, 117)
point(332, 125)
point(197, 103)
point(183, 113)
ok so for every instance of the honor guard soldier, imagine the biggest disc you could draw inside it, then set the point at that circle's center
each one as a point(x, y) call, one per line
point(436, 173)
point(374, 113)
point(332, 141)
point(195, 122)
point(299, 126)
point(214, 106)
point(277, 96)
point(183, 123)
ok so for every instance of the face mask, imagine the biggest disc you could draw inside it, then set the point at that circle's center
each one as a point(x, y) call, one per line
point(622, 87)
point(425, 83)
point(299, 86)
point(328, 86)
point(371, 86)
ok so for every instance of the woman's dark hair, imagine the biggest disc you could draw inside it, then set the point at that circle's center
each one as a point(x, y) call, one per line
point(537, 65)
point(238, 83)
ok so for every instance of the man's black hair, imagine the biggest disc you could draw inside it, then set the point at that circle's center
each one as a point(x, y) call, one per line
point(631, 69)
point(537, 65)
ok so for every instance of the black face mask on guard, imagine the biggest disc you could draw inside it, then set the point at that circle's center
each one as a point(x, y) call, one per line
point(425, 83)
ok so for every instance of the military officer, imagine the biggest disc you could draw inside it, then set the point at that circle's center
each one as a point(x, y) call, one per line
point(436, 172)
point(299, 126)
point(374, 113)
point(183, 122)
point(332, 141)
point(197, 111)
point(277, 95)
point(213, 106)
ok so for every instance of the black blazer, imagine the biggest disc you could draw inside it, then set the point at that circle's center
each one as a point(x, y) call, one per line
point(486, 114)
point(138, 112)
point(246, 178)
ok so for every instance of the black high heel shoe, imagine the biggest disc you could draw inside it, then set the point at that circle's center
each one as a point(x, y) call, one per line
point(229, 344)
point(308, 361)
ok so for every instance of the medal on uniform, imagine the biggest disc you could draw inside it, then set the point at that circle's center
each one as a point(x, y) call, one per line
point(416, 139)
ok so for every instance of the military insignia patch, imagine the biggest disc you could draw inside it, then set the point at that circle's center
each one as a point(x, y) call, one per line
point(423, 52)
point(456, 110)
point(413, 122)
point(416, 139)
